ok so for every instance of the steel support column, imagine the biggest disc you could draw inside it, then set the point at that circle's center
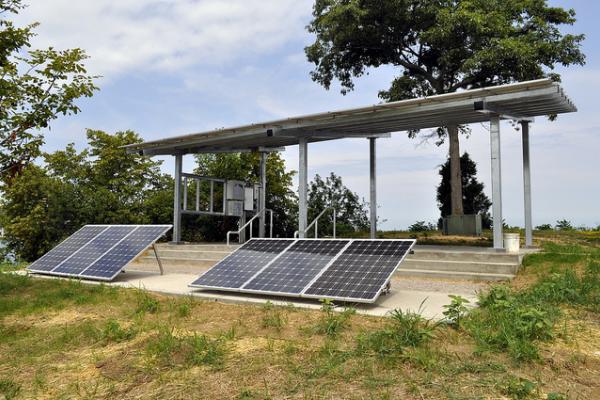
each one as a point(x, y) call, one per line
point(302, 186)
point(177, 200)
point(496, 182)
point(527, 185)
point(373, 186)
point(262, 199)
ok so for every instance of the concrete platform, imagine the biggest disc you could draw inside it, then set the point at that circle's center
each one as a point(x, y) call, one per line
point(429, 302)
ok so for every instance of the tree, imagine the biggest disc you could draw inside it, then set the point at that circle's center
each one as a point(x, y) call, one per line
point(351, 212)
point(246, 167)
point(440, 46)
point(99, 185)
point(564, 225)
point(35, 88)
point(474, 200)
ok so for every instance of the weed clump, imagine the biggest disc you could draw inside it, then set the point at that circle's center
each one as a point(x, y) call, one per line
point(332, 322)
point(170, 350)
point(146, 303)
point(406, 329)
point(113, 332)
point(9, 389)
point(273, 317)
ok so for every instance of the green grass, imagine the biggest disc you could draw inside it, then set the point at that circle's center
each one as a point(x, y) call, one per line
point(66, 339)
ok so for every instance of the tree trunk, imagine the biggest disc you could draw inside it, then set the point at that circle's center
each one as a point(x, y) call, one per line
point(456, 197)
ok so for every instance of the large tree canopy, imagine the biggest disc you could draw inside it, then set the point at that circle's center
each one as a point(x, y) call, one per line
point(35, 88)
point(440, 46)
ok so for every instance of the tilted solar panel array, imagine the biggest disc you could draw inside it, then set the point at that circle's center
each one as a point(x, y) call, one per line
point(98, 251)
point(355, 270)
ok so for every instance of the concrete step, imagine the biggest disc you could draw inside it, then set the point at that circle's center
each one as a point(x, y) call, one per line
point(211, 255)
point(460, 266)
point(198, 247)
point(463, 256)
point(470, 276)
point(169, 262)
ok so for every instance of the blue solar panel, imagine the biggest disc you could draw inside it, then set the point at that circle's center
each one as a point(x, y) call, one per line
point(111, 263)
point(93, 250)
point(235, 270)
point(98, 251)
point(354, 270)
point(291, 272)
point(362, 270)
point(67, 248)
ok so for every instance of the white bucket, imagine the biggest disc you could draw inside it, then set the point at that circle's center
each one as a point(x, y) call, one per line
point(511, 242)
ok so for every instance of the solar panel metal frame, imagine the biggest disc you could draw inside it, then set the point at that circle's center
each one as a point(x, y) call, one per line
point(308, 296)
point(98, 278)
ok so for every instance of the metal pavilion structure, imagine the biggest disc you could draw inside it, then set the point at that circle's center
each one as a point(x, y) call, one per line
point(521, 102)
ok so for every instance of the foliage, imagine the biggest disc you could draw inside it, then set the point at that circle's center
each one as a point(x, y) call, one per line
point(456, 310)
point(519, 388)
point(422, 226)
point(474, 199)
point(36, 87)
point(351, 212)
point(246, 167)
point(439, 46)
point(99, 185)
point(544, 227)
point(332, 322)
point(406, 329)
point(564, 225)
point(9, 389)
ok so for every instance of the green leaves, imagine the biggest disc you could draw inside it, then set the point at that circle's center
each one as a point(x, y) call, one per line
point(439, 46)
point(35, 88)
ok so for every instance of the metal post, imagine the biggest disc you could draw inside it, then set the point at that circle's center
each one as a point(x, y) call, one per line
point(177, 200)
point(496, 182)
point(527, 185)
point(373, 186)
point(160, 266)
point(185, 192)
point(302, 186)
point(197, 194)
point(262, 203)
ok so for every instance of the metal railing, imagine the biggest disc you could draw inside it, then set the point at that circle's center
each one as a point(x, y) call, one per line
point(315, 222)
point(251, 222)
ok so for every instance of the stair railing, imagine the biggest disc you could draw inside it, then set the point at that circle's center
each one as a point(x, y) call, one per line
point(251, 222)
point(315, 223)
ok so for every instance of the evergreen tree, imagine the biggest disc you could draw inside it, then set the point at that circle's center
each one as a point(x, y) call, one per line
point(474, 200)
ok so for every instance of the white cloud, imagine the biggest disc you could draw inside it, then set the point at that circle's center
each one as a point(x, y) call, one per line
point(125, 36)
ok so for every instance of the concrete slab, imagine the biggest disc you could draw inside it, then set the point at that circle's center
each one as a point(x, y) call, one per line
point(430, 303)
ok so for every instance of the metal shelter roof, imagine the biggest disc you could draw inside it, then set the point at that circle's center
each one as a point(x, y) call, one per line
point(517, 101)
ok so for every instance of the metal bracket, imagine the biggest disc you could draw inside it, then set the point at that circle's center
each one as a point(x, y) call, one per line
point(486, 108)
point(160, 266)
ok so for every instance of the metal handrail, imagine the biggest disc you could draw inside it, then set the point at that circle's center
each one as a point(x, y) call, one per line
point(250, 222)
point(315, 223)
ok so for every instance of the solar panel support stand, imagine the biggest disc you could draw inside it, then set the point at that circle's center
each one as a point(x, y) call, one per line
point(160, 266)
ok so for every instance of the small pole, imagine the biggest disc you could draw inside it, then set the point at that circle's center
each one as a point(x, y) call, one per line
point(373, 186)
point(496, 182)
point(160, 266)
point(177, 200)
point(527, 185)
point(302, 186)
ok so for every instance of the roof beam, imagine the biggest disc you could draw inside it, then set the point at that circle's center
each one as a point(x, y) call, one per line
point(491, 109)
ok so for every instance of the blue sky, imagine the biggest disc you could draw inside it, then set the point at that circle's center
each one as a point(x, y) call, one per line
point(176, 67)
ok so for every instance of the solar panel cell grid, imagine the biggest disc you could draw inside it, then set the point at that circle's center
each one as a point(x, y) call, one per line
point(93, 250)
point(291, 272)
point(361, 271)
point(235, 270)
point(110, 264)
point(65, 249)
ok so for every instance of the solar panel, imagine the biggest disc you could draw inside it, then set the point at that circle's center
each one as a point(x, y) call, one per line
point(65, 249)
point(98, 251)
point(241, 265)
point(112, 262)
point(361, 271)
point(354, 270)
point(299, 265)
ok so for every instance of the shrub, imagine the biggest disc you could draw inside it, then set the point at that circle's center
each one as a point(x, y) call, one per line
point(564, 225)
point(113, 332)
point(456, 310)
point(544, 227)
point(146, 303)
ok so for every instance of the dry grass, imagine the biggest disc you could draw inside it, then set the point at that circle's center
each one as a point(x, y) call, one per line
point(66, 340)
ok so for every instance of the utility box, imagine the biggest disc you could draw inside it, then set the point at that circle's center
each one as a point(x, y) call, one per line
point(249, 198)
point(235, 195)
point(462, 225)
